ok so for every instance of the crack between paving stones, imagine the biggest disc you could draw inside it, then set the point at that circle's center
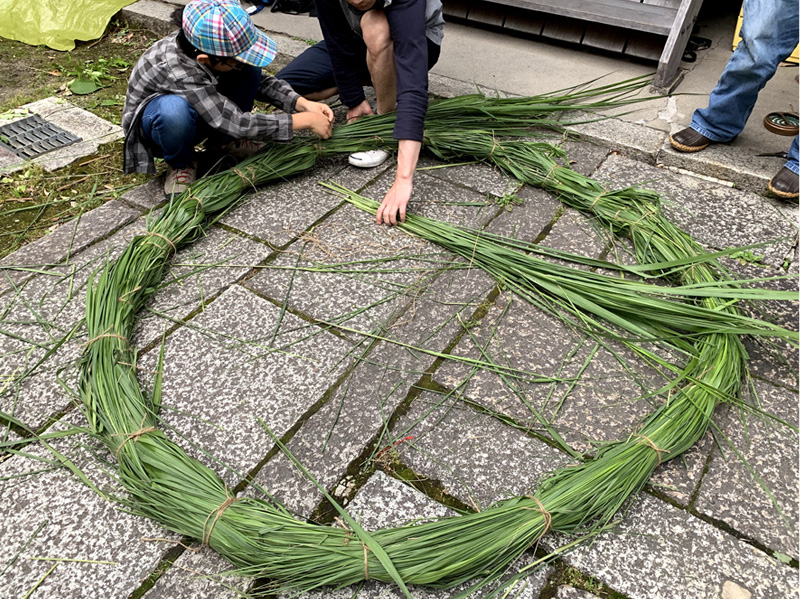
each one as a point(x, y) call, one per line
point(563, 574)
point(168, 558)
point(742, 537)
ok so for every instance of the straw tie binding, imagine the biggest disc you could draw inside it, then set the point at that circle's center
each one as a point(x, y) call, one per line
point(550, 172)
point(124, 297)
point(591, 206)
point(217, 513)
point(648, 442)
point(250, 179)
point(133, 436)
point(348, 533)
point(105, 334)
point(548, 518)
point(163, 237)
point(199, 202)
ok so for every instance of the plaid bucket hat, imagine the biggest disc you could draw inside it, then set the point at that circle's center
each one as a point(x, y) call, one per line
point(223, 28)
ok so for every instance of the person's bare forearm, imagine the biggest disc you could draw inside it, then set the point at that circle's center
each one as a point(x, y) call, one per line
point(407, 157)
point(397, 198)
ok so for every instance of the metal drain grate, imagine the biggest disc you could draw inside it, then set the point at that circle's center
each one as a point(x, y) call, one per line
point(33, 136)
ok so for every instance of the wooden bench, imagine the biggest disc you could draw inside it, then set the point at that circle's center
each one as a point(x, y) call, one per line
point(649, 29)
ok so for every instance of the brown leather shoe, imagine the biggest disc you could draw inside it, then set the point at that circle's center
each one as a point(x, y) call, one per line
point(785, 184)
point(688, 140)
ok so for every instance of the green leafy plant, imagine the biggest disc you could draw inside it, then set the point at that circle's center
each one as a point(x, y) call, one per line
point(96, 74)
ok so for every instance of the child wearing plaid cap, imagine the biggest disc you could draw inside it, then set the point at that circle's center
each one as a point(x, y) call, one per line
point(200, 83)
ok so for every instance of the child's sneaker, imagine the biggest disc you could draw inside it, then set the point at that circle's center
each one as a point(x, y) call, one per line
point(369, 159)
point(243, 148)
point(178, 179)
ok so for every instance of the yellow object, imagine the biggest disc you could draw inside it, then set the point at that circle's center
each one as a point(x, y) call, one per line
point(736, 39)
point(56, 23)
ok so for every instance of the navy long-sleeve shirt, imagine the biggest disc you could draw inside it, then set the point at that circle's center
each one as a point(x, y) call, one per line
point(408, 30)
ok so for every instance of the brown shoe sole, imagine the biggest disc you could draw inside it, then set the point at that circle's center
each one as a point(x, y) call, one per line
point(779, 194)
point(684, 148)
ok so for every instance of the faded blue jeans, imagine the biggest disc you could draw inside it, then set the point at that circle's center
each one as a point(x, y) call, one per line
point(171, 127)
point(769, 35)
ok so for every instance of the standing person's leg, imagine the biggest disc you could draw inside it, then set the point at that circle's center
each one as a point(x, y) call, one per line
point(792, 164)
point(169, 125)
point(769, 34)
point(786, 183)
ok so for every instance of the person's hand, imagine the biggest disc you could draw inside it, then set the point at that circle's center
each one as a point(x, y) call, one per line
point(395, 202)
point(358, 111)
point(316, 122)
point(361, 4)
point(304, 105)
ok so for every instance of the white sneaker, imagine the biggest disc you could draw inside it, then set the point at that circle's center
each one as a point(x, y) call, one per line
point(368, 159)
point(179, 179)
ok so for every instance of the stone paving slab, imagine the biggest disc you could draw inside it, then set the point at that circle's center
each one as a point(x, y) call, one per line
point(631, 139)
point(44, 310)
point(146, 196)
point(783, 313)
point(201, 574)
point(35, 399)
point(280, 212)
point(604, 404)
point(714, 215)
point(385, 502)
point(7, 159)
point(601, 406)
point(66, 240)
point(480, 177)
point(92, 130)
point(56, 298)
point(440, 200)
point(659, 551)
point(192, 279)
point(573, 233)
point(358, 412)
point(526, 221)
point(567, 591)
point(220, 377)
point(734, 161)
point(585, 157)
point(374, 272)
point(730, 493)
point(75, 523)
point(472, 455)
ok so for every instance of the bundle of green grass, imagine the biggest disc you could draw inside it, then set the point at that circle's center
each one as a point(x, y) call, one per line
point(698, 318)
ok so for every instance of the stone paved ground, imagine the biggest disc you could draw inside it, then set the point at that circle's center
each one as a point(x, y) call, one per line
point(704, 527)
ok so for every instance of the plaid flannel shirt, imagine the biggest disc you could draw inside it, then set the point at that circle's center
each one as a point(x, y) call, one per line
point(165, 69)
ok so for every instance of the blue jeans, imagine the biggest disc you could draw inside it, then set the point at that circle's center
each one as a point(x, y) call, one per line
point(171, 127)
point(769, 35)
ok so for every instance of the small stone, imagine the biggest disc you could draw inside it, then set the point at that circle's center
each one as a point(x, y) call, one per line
point(734, 590)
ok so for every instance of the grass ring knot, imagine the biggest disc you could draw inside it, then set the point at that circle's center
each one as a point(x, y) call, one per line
point(216, 513)
point(548, 518)
point(648, 442)
point(163, 237)
point(133, 436)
